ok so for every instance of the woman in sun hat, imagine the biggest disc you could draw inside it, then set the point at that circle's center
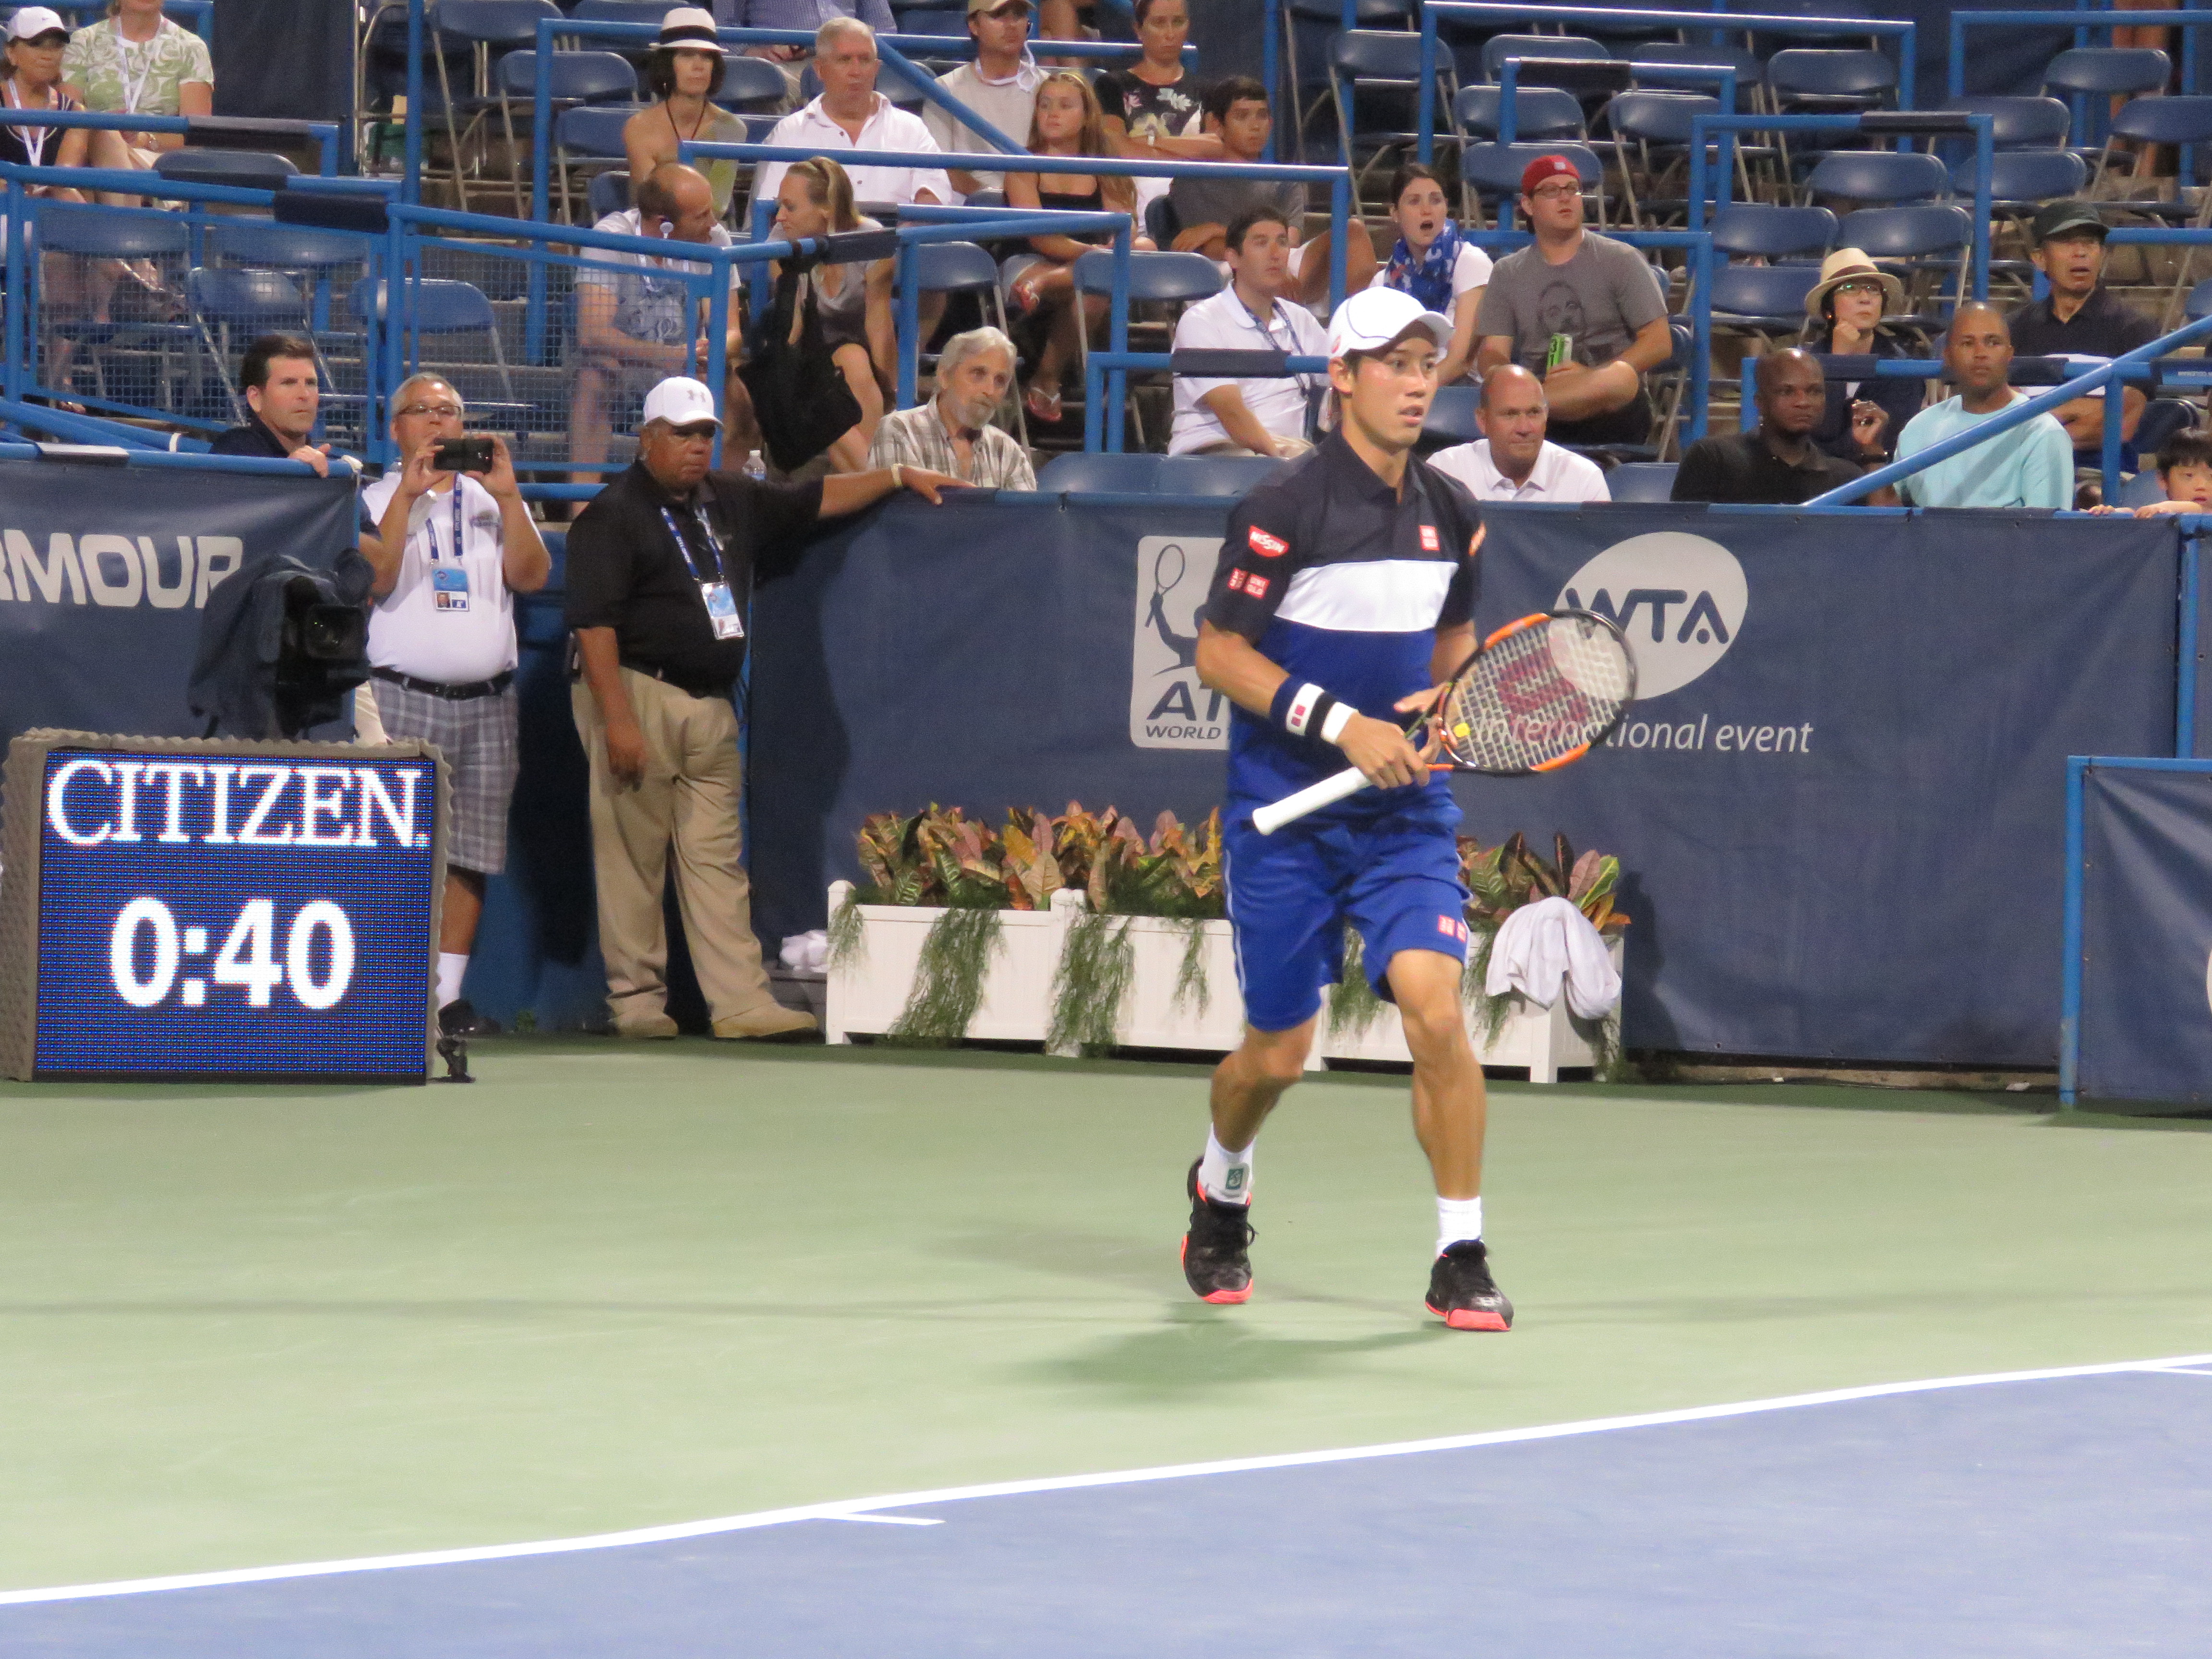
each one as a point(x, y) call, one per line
point(685, 72)
point(1843, 313)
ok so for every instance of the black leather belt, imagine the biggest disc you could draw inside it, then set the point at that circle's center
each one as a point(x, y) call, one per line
point(474, 688)
point(667, 678)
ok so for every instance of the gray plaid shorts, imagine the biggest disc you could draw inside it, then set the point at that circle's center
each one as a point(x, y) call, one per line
point(477, 736)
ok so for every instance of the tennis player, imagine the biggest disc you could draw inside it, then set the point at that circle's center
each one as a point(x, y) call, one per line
point(1344, 596)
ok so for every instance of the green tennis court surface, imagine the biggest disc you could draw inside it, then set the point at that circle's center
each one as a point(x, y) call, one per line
point(609, 1287)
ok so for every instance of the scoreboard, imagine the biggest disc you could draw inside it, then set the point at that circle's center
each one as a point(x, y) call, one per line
point(181, 908)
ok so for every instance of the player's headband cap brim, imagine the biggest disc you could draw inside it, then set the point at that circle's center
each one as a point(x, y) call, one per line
point(1377, 316)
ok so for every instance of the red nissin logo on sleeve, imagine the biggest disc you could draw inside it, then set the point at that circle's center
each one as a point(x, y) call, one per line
point(1266, 546)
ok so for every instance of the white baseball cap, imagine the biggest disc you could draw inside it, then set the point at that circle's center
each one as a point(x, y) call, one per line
point(1374, 317)
point(680, 401)
point(32, 22)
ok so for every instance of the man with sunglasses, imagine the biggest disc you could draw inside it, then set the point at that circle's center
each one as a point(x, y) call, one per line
point(1581, 311)
point(660, 570)
point(451, 550)
point(1000, 86)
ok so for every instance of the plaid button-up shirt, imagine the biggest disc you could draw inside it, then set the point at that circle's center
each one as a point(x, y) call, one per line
point(916, 437)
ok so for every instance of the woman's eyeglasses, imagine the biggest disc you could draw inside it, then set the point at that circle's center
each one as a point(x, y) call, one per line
point(1858, 287)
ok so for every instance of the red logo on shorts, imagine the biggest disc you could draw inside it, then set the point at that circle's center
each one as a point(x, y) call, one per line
point(1452, 927)
point(1429, 543)
point(1256, 587)
point(1266, 546)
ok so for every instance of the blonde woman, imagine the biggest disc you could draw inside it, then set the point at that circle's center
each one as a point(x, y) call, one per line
point(1042, 283)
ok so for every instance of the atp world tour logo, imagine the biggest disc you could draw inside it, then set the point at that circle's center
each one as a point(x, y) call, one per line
point(1168, 706)
point(1679, 598)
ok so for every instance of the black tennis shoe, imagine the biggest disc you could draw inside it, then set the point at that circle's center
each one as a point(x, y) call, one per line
point(1214, 1250)
point(1462, 1293)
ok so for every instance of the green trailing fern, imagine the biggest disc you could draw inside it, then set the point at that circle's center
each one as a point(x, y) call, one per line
point(1092, 980)
point(1352, 1005)
point(948, 980)
point(1193, 993)
point(849, 940)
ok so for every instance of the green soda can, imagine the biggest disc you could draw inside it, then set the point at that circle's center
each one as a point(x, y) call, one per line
point(1561, 352)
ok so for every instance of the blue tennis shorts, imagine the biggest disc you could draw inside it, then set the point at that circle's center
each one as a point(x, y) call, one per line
point(1395, 878)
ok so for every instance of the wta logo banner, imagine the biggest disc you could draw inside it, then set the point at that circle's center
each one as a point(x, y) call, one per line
point(1678, 599)
point(1168, 706)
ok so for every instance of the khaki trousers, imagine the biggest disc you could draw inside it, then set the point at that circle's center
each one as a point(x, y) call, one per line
point(689, 798)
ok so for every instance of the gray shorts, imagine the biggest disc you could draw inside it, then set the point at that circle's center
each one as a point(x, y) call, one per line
point(477, 736)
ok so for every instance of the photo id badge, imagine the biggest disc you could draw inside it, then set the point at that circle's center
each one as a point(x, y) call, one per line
point(449, 588)
point(722, 611)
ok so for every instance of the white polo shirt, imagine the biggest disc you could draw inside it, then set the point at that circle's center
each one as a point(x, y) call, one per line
point(889, 129)
point(1560, 475)
point(1222, 323)
point(409, 631)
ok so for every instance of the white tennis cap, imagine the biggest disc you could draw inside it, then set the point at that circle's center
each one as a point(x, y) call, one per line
point(32, 22)
point(1374, 317)
point(680, 401)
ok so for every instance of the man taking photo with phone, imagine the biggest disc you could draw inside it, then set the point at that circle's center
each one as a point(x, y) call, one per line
point(454, 545)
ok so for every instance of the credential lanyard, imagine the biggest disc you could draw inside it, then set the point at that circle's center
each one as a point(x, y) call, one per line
point(706, 529)
point(132, 91)
point(430, 528)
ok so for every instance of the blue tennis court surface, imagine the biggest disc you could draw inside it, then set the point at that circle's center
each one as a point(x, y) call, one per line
point(2054, 1513)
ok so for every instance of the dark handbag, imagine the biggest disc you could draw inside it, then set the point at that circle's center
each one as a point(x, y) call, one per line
point(801, 400)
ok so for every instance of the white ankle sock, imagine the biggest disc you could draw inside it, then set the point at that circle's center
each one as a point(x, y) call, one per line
point(451, 969)
point(1457, 1220)
point(1224, 1175)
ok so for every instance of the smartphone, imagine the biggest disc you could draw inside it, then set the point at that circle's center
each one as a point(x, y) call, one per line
point(462, 455)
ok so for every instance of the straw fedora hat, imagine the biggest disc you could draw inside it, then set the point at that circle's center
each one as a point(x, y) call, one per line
point(1842, 266)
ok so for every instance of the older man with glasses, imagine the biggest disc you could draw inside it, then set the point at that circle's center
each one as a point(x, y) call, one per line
point(454, 545)
point(660, 571)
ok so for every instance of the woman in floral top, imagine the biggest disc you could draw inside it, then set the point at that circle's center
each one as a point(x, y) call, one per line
point(136, 62)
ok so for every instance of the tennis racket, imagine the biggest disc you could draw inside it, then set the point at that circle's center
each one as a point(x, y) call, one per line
point(1535, 696)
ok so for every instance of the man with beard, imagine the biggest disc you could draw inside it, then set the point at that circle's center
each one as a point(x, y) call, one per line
point(952, 432)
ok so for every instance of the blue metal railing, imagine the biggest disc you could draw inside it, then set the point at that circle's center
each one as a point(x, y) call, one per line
point(325, 133)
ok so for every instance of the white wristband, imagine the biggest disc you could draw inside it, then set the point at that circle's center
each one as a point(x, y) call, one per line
point(898, 475)
point(1338, 718)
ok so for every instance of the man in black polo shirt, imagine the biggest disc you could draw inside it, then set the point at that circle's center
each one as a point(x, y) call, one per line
point(2080, 318)
point(1778, 463)
point(660, 568)
point(283, 395)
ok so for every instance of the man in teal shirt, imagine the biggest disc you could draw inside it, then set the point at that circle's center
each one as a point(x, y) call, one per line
point(2030, 464)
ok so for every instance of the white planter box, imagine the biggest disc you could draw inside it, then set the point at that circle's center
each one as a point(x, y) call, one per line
point(1542, 1039)
point(866, 995)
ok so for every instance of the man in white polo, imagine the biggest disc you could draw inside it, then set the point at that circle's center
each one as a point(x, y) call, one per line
point(1513, 462)
point(1256, 416)
point(450, 552)
point(852, 115)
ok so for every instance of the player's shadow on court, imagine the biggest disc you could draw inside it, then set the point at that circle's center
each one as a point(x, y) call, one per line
point(1200, 1350)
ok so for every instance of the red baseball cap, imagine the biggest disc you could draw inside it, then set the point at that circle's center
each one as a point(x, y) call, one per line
point(1547, 167)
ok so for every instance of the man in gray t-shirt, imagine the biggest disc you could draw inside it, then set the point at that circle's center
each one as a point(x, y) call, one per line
point(1581, 310)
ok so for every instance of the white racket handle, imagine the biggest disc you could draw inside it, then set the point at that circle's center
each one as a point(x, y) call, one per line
point(1311, 798)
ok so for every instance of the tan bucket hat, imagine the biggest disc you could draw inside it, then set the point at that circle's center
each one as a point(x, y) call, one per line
point(1842, 266)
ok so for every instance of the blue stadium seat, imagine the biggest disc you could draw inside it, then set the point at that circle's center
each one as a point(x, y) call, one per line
point(1452, 415)
point(1927, 242)
point(1499, 47)
point(2143, 489)
point(2024, 179)
point(1651, 147)
point(1764, 300)
point(439, 306)
point(2019, 122)
point(749, 80)
point(2092, 74)
point(1642, 481)
point(1760, 230)
point(607, 192)
point(1383, 67)
point(1882, 177)
point(1539, 113)
point(491, 29)
point(1750, 68)
point(1102, 474)
point(1214, 475)
point(1491, 174)
point(1826, 81)
point(242, 169)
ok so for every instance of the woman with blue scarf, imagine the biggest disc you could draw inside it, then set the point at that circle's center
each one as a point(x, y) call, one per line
point(1433, 264)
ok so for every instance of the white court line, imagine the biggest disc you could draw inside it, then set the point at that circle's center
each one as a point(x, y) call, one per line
point(866, 1509)
point(888, 1520)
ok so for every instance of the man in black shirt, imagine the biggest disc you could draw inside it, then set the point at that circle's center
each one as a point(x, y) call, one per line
point(660, 565)
point(2080, 318)
point(1778, 463)
point(283, 393)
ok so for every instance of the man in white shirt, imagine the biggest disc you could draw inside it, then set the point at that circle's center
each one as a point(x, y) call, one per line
point(450, 552)
point(851, 115)
point(635, 329)
point(1512, 462)
point(1253, 416)
point(1000, 86)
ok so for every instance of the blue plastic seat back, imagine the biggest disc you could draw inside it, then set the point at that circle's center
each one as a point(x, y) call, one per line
point(607, 192)
point(1657, 118)
point(1152, 276)
point(1879, 175)
point(1642, 481)
point(262, 301)
point(592, 129)
point(1381, 55)
point(2111, 70)
point(1100, 473)
point(620, 11)
point(2026, 176)
point(2020, 123)
point(285, 248)
point(1539, 113)
point(245, 169)
point(1496, 169)
point(2199, 303)
point(1452, 414)
point(440, 305)
point(750, 81)
point(1906, 232)
point(495, 23)
point(109, 232)
point(1829, 72)
point(591, 77)
point(1763, 290)
point(949, 267)
point(1761, 230)
point(2165, 120)
point(1499, 47)
point(1213, 475)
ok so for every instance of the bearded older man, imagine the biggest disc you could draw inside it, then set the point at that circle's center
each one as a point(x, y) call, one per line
point(952, 432)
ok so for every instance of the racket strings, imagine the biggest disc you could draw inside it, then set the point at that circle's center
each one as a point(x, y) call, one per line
point(1540, 694)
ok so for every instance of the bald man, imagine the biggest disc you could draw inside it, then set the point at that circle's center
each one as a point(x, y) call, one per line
point(1513, 462)
point(1777, 462)
point(2030, 465)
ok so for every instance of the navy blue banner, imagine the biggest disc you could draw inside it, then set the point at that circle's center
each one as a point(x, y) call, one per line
point(1837, 798)
point(1837, 802)
point(105, 573)
point(2146, 1012)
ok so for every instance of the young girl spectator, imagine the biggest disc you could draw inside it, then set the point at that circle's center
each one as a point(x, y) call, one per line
point(1042, 283)
point(1430, 262)
point(685, 72)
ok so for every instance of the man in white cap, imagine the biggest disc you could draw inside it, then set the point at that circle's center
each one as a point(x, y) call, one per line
point(1344, 595)
point(660, 571)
